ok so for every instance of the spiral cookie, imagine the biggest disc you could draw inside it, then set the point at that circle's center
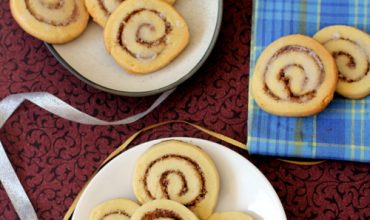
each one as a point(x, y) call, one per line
point(53, 21)
point(145, 35)
point(178, 171)
point(350, 48)
point(230, 216)
point(163, 209)
point(100, 10)
point(294, 76)
point(121, 209)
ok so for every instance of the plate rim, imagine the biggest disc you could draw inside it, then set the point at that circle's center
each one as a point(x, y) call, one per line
point(192, 140)
point(210, 47)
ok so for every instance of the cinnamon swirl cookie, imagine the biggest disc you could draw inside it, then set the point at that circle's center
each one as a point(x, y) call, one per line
point(121, 209)
point(100, 10)
point(145, 35)
point(53, 21)
point(163, 209)
point(294, 76)
point(230, 216)
point(350, 48)
point(177, 171)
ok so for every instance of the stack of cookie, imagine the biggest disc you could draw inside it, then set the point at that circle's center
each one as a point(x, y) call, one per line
point(172, 180)
point(141, 35)
point(297, 75)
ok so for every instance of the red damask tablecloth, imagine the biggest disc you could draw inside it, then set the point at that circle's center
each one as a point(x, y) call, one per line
point(54, 157)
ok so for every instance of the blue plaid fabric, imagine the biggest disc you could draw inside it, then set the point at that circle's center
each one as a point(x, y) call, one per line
point(342, 130)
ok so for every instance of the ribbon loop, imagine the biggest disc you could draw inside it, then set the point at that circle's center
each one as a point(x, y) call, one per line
point(56, 106)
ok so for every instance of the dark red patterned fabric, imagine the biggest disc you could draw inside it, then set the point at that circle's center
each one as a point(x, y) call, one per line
point(54, 157)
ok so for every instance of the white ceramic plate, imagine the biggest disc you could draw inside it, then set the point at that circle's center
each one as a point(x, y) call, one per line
point(243, 186)
point(87, 58)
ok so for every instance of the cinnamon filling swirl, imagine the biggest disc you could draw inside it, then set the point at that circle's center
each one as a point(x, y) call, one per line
point(118, 212)
point(184, 188)
point(164, 182)
point(161, 213)
point(54, 7)
point(351, 61)
point(159, 42)
point(287, 80)
point(105, 8)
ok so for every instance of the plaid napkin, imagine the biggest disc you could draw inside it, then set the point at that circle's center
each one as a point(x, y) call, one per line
point(342, 131)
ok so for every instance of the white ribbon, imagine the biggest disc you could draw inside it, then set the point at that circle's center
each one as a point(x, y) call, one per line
point(8, 105)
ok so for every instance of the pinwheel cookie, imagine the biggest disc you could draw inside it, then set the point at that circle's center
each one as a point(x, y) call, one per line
point(230, 216)
point(51, 21)
point(100, 10)
point(351, 49)
point(294, 76)
point(145, 35)
point(114, 209)
point(177, 171)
